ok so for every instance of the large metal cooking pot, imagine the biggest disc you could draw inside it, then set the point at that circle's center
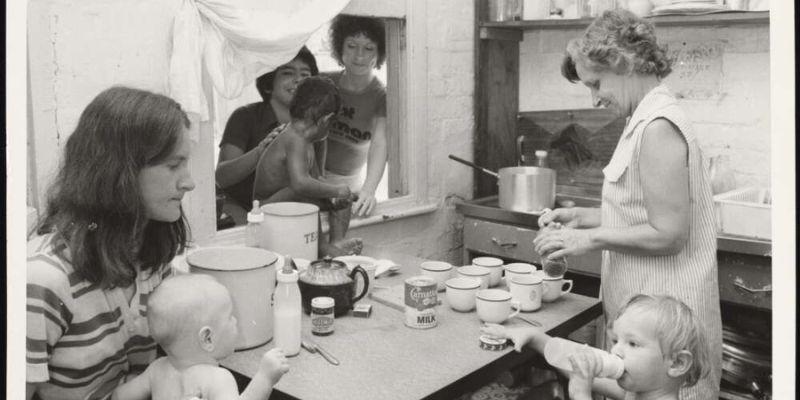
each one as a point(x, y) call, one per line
point(524, 189)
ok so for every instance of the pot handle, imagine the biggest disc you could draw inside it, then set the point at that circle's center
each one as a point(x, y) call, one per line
point(364, 276)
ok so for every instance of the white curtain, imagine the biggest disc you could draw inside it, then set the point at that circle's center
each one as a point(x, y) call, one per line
point(236, 41)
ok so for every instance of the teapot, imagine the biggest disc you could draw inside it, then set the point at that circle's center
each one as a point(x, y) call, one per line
point(330, 278)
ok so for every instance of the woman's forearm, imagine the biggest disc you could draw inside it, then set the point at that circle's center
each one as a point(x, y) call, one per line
point(641, 240)
point(588, 217)
point(234, 170)
point(376, 158)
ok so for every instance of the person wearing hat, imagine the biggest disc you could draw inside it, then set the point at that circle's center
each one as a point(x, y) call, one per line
point(252, 127)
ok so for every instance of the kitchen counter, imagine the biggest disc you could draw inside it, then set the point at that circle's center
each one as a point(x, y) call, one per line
point(487, 209)
point(381, 358)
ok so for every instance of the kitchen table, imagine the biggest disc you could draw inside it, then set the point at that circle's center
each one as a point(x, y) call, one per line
point(381, 358)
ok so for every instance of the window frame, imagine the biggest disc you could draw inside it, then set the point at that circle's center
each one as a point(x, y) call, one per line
point(407, 127)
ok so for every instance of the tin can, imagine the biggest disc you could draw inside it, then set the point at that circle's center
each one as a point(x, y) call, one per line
point(322, 316)
point(420, 300)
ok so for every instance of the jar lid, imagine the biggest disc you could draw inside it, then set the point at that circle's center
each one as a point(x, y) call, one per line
point(493, 343)
point(322, 302)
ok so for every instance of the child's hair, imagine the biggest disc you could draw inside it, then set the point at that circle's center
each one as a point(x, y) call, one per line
point(181, 305)
point(95, 204)
point(344, 26)
point(315, 97)
point(677, 329)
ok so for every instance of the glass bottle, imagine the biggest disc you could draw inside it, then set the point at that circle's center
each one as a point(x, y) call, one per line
point(252, 232)
point(287, 311)
point(540, 159)
point(557, 352)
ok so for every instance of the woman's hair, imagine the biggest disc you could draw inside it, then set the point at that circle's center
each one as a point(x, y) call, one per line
point(344, 26)
point(264, 82)
point(95, 205)
point(314, 98)
point(620, 42)
point(677, 329)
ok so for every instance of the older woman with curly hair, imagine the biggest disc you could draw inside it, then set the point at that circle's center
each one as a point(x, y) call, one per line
point(656, 223)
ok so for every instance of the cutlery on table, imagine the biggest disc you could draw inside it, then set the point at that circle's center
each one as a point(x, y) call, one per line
point(530, 321)
point(315, 348)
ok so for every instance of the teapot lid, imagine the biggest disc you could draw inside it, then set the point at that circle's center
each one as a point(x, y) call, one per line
point(326, 271)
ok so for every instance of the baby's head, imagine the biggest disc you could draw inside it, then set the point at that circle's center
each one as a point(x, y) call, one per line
point(315, 101)
point(191, 315)
point(661, 342)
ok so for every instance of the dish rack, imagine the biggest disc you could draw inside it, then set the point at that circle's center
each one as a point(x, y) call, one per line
point(745, 212)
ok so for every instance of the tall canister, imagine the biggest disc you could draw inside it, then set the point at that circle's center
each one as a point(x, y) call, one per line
point(249, 275)
point(291, 228)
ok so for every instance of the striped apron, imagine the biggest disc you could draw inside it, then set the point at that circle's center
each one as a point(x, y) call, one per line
point(690, 275)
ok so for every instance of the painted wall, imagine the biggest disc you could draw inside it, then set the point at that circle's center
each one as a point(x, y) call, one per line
point(78, 49)
point(729, 105)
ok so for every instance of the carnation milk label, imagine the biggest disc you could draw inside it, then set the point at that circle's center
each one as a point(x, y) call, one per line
point(421, 300)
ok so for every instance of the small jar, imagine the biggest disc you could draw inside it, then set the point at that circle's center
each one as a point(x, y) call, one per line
point(322, 316)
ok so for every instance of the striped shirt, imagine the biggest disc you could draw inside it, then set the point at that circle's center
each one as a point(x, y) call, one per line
point(690, 275)
point(82, 340)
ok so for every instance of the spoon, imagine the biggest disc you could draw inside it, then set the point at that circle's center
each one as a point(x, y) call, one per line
point(314, 348)
point(529, 321)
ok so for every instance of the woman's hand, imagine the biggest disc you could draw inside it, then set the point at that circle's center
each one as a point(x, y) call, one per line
point(565, 216)
point(262, 145)
point(365, 204)
point(563, 242)
point(586, 365)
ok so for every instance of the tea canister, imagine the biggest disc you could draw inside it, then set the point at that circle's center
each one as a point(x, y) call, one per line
point(420, 301)
point(322, 316)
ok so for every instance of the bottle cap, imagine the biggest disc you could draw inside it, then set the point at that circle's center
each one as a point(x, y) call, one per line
point(255, 215)
point(322, 302)
point(287, 277)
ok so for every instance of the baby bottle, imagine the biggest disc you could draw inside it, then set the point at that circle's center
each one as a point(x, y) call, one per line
point(252, 232)
point(558, 350)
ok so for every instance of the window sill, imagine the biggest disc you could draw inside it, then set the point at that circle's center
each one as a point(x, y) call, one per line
point(391, 210)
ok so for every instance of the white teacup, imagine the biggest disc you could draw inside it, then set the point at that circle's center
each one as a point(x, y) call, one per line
point(495, 266)
point(553, 288)
point(440, 271)
point(461, 292)
point(527, 290)
point(518, 269)
point(472, 271)
point(369, 265)
point(495, 305)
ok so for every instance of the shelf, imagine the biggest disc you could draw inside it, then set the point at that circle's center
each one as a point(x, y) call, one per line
point(724, 18)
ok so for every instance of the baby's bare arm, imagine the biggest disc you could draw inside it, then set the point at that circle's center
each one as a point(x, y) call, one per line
point(300, 179)
point(137, 388)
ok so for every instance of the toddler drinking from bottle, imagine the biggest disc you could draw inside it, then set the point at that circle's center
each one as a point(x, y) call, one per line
point(659, 340)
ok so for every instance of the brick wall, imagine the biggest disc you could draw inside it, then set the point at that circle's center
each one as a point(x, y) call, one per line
point(730, 107)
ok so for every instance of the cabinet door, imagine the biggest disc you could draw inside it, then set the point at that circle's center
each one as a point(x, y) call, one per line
point(505, 241)
point(516, 243)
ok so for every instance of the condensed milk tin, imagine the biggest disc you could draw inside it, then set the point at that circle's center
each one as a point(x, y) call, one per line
point(421, 300)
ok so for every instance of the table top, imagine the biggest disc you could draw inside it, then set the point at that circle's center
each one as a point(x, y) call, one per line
point(381, 358)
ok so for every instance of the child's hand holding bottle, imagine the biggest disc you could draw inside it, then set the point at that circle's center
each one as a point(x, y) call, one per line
point(521, 336)
point(273, 365)
point(586, 365)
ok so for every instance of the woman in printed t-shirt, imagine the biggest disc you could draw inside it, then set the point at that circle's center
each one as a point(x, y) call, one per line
point(113, 224)
point(358, 135)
